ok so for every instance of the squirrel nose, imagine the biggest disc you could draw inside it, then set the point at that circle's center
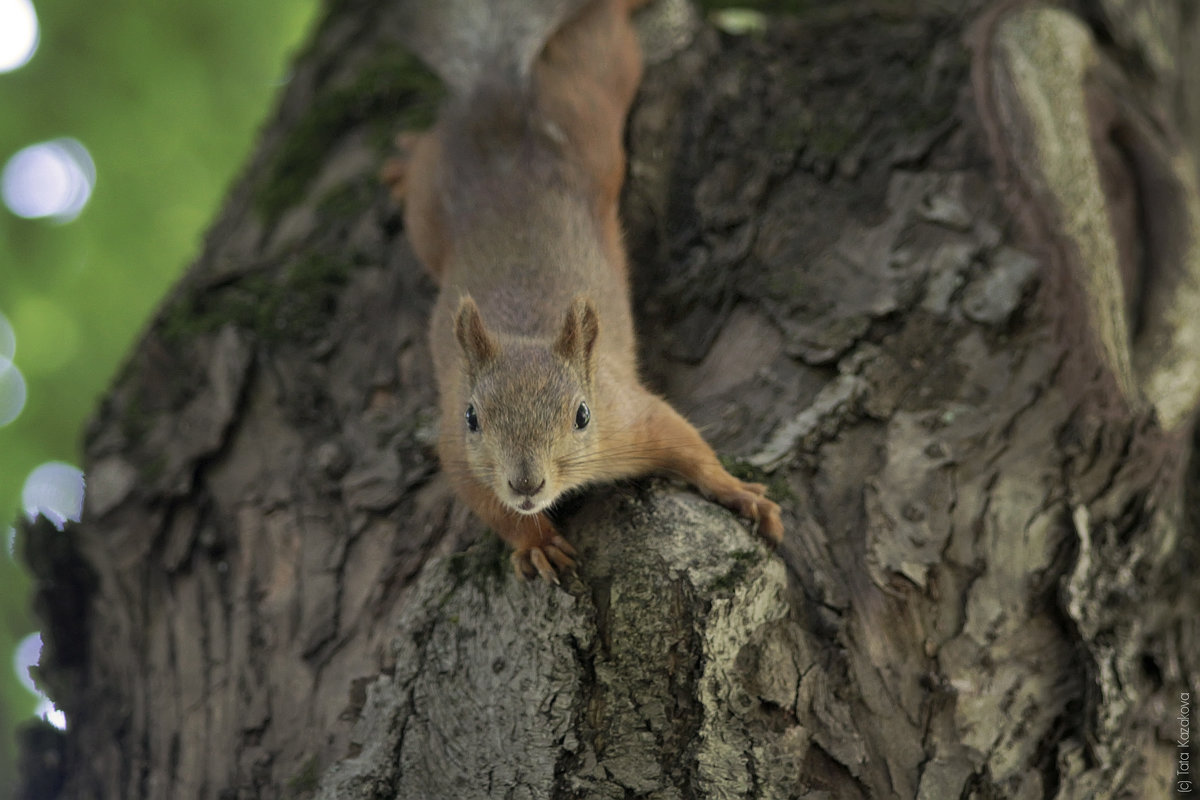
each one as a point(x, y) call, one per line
point(524, 485)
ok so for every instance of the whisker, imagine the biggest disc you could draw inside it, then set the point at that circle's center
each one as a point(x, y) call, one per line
point(632, 453)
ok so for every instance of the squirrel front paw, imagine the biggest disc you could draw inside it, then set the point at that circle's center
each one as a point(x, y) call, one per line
point(750, 501)
point(549, 556)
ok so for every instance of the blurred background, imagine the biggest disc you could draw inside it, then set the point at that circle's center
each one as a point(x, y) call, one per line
point(121, 126)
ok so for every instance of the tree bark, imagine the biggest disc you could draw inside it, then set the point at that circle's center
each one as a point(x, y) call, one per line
point(931, 272)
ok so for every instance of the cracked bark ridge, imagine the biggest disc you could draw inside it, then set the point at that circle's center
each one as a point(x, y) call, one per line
point(929, 273)
point(1097, 158)
point(600, 690)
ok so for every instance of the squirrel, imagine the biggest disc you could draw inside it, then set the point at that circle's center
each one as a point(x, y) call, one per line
point(511, 203)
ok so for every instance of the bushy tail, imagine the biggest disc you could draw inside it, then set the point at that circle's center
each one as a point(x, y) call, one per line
point(469, 42)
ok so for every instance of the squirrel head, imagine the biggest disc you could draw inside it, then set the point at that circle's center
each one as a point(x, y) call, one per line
point(528, 416)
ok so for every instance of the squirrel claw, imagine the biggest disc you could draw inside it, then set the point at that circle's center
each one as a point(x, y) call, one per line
point(537, 557)
point(522, 566)
point(547, 560)
point(765, 513)
point(749, 500)
point(769, 523)
point(557, 542)
point(561, 560)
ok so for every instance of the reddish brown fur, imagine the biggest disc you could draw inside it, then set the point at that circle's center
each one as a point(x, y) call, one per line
point(511, 203)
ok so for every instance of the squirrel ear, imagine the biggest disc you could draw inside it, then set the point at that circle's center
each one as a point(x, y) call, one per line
point(579, 331)
point(477, 344)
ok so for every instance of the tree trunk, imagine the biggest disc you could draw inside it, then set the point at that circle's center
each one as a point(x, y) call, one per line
point(932, 273)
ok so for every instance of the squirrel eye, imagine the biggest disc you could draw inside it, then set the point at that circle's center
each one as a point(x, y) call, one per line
point(472, 420)
point(582, 416)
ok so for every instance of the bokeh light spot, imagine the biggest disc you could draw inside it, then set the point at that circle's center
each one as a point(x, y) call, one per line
point(51, 179)
point(18, 33)
point(8, 339)
point(28, 651)
point(12, 391)
point(49, 712)
point(28, 654)
point(54, 490)
point(12, 382)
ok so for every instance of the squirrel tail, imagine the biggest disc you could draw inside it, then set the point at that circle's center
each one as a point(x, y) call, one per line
point(539, 90)
point(472, 42)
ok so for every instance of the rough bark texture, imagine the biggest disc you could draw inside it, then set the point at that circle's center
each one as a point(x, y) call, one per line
point(933, 271)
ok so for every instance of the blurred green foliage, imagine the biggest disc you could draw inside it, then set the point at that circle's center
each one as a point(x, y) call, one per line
point(166, 97)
